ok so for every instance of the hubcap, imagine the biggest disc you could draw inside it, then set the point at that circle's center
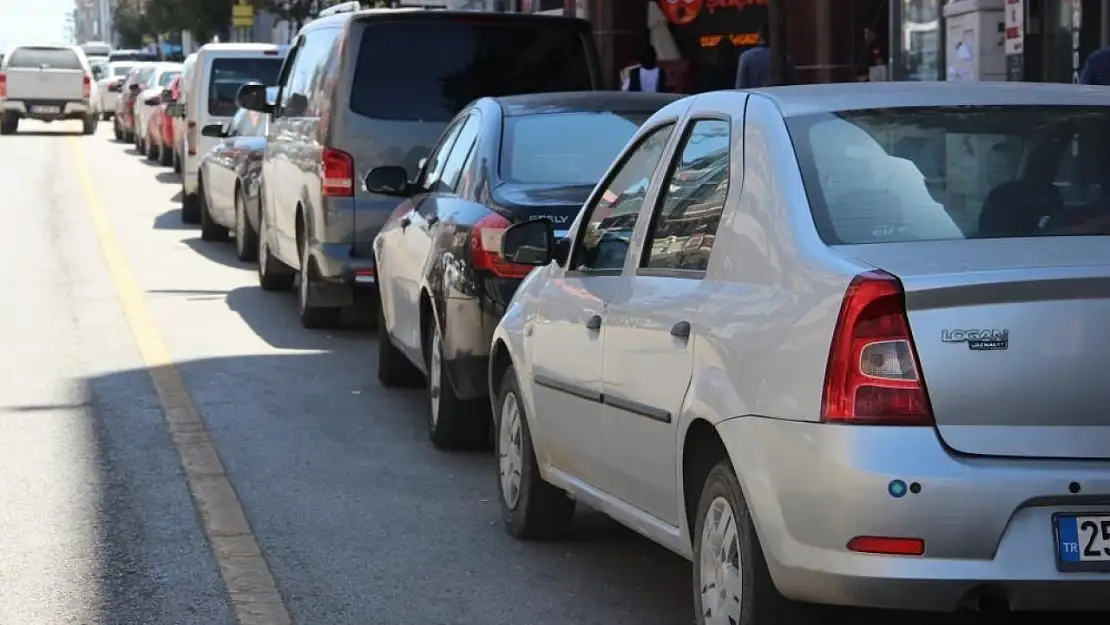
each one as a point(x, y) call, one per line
point(263, 250)
point(510, 448)
point(434, 366)
point(240, 229)
point(721, 577)
point(302, 291)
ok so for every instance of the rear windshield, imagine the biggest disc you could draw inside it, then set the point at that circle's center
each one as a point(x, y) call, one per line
point(144, 75)
point(919, 174)
point(536, 149)
point(49, 58)
point(429, 71)
point(230, 74)
point(121, 70)
point(167, 77)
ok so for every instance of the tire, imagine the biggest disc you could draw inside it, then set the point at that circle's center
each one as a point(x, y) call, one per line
point(190, 208)
point(722, 508)
point(116, 130)
point(151, 151)
point(89, 124)
point(246, 239)
point(9, 126)
point(453, 423)
point(312, 317)
point(165, 156)
point(273, 275)
point(534, 509)
point(128, 136)
point(105, 117)
point(209, 229)
point(176, 162)
point(394, 368)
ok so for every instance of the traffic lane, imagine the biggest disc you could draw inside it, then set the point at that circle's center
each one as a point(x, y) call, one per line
point(361, 519)
point(96, 524)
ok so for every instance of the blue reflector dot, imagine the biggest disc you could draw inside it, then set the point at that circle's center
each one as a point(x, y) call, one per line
point(896, 488)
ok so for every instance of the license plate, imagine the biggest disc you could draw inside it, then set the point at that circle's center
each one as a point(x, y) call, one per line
point(1083, 542)
point(46, 110)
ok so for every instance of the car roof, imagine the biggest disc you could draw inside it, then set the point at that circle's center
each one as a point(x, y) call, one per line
point(417, 14)
point(539, 103)
point(830, 98)
point(241, 47)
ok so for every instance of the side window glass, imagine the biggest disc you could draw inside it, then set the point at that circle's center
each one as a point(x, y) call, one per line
point(307, 67)
point(288, 72)
point(453, 166)
point(607, 231)
point(433, 169)
point(690, 207)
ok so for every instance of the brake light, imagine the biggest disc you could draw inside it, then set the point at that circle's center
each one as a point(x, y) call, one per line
point(888, 546)
point(874, 376)
point(86, 86)
point(337, 178)
point(485, 248)
point(273, 52)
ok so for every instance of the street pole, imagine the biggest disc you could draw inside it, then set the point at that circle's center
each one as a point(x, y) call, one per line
point(776, 21)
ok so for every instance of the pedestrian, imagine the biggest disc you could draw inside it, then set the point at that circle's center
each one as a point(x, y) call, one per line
point(646, 76)
point(754, 68)
point(1096, 71)
point(873, 55)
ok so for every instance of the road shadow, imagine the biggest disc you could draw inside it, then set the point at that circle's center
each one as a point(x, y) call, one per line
point(272, 316)
point(222, 252)
point(171, 220)
point(168, 177)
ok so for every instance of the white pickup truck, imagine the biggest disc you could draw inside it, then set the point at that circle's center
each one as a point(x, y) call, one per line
point(48, 83)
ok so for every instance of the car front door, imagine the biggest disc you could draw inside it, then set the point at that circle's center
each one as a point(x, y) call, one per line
point(569, 329)
point(648, 355)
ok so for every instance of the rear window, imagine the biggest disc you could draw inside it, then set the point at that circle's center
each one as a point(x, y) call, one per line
point(937, 173)
point(166, 78)
point(49, 58)
point(95, 49)
point(144, 75)
point(535, 148)
point(428, 71)
point(121, 70)
point(228, 74)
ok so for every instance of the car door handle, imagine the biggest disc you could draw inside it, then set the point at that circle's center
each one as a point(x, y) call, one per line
point(594, 323)
point(681, 330)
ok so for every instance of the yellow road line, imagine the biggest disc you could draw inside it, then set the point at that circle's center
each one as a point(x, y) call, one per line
point(250, 584)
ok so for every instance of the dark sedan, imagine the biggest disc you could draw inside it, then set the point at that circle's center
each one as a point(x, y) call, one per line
point(227, 180)
point(443, 282)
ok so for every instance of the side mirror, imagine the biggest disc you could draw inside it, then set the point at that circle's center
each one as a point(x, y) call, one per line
point(152, 101)
point(134, 88)
point(252, 96)
point(529, 243)
point(213, 130)
point(388, 180)
point(98, 72)
point(166, 96)
point(113, 87)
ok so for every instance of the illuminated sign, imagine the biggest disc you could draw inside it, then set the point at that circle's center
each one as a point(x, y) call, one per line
point(682, 12)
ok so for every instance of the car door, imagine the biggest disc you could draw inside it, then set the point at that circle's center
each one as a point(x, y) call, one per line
point(217, 165)
point(647, 357)
point(242, 131)
point(399, 272)
point(279, 177)
point(569, 328)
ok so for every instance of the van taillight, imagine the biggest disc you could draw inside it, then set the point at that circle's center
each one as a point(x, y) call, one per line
point(873, 375)
point(86, 86)
point(485, 248)
point(337, 178)
point(3, 85)
point(191, 137)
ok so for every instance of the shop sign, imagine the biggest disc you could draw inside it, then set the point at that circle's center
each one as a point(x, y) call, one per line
point(1015, 40)
point(709, 22)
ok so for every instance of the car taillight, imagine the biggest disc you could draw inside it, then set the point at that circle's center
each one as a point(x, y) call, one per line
point(485, 248)
point(874, 376)
point(337, 178)
point(191, 138)
point(3, 85)
point(86, 86)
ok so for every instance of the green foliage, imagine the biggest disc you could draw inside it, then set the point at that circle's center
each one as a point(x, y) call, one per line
point(131, 23)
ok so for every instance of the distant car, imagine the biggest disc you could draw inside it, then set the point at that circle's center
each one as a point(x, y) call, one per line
point(124, 120)
point(160, 126)
point(149, 97)
point(47, 83)
point(229, 180)
point(109, 85)
point(443, 282)
point(843, 344)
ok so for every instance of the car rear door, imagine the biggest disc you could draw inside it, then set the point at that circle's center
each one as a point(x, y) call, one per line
point(45, 73)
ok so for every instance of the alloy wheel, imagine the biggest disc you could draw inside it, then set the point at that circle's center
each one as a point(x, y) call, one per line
point(434, 377)
point(721, 573)
point(510, 449)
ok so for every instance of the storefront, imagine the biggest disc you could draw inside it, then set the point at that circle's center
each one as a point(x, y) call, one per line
point(1057, 36)
point(917, 41)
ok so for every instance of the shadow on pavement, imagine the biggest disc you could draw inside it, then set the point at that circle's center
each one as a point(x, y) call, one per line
point(171, 220)
point(222, 252)
point(168, 177)
point(273, 317)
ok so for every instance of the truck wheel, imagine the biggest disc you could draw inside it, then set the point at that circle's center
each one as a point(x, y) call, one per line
point(190, 208)
point(9, 126)
point(88, 125)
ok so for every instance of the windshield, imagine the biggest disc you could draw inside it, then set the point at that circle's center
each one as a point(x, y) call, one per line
point(132, 55)
point(458, 62)
point(228, 74)
point(916, 174)
point(542, 148)
point(166, 78)
point(46, 58)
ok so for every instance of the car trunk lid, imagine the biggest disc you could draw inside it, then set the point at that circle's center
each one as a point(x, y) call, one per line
point(558, 203)
point(1012, 336)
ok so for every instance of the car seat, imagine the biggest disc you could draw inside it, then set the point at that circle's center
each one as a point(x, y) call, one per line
point(1016, 208)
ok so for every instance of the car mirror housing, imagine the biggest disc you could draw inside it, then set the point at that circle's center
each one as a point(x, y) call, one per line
point(529, 243)
point(388, 180)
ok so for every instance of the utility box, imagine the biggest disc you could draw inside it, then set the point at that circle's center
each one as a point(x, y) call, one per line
point(976, 37)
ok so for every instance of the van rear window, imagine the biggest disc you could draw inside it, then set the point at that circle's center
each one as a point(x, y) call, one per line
point(228, 74)
point(49, 58)
point(430, 70)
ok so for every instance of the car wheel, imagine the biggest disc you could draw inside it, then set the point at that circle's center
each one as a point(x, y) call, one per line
point(530, 507)
point(165, 156)
point(731, 581)
point(246, 239)
point(9, 125)
point(312, 317)
point(151, 151)
point(105, 117)
point(394, 368)
point(89, 124)
point(190, 207)
point(116, 130)
point(176, 162)
point(453, 423)
point(209, 229)
point(273, 275)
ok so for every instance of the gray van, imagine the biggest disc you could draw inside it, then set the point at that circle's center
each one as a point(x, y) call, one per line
point(369, 88)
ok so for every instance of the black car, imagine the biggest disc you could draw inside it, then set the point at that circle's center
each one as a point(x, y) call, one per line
point(227, 180)
point(443, 282)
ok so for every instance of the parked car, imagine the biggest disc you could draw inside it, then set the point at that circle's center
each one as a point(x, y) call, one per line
point(801, 404)
point(123, 121)
point(160, 128)
point(109, 87)
point(47, 83)
point(209, 89)
point(180, 124)
point(132, 56)
point(317, 221)
point(444, 284)
point(148, 98)
point(229, 180)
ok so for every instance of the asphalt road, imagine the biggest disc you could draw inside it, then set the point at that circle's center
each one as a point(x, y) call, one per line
point(360, 521)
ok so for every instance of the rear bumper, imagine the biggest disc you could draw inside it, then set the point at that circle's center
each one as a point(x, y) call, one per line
point(33, 109)
point(987, 523)
point(340, 273)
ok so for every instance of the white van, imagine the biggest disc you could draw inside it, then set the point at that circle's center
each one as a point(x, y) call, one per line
point(209, 88)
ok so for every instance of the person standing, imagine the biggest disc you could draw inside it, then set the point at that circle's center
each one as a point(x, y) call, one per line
point(1096, 71)
point(754, 69)
point(647, 76)
point(873, 55)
